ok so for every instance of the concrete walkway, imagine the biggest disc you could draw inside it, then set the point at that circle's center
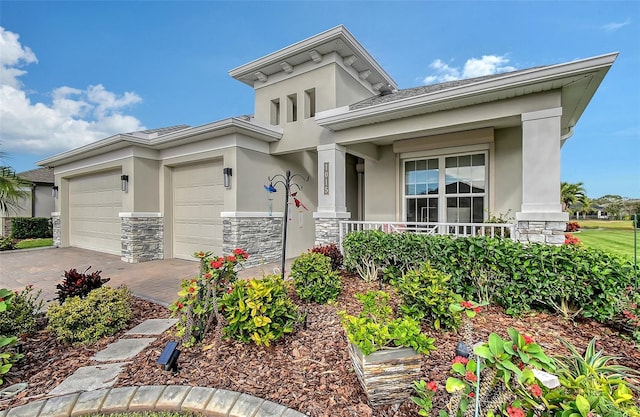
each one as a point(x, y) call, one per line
point(89, 390)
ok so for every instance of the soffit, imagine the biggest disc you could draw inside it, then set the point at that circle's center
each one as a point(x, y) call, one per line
point(337, 40)
point(209, 131)
point(577, 82)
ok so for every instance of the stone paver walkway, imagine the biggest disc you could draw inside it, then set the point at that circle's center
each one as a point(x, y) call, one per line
point(89, 389)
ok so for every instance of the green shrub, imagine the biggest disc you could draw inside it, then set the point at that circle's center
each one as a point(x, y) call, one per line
point(6, 243)
point(332, 252)
point(258, 310)
point(31, 227)
point(7, 354)
point(374, 328)
point(102, 313)
point(313, 278)
point(22, 317)
point(567, 279)
point(79, 284)
point(426, 294)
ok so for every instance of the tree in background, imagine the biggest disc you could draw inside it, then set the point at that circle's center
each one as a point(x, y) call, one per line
point(11, 188)
point(572, 194)
point(613, 204)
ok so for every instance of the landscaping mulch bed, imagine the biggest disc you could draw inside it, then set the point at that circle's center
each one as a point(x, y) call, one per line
point(309, 370)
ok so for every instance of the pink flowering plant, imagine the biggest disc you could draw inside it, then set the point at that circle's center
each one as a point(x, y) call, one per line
point(197, 304)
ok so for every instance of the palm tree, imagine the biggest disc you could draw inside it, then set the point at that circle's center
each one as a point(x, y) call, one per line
point(571, 194)
point(11, 189)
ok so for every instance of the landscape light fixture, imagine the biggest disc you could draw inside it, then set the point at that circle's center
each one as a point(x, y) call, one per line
point(169, 357)
point(226, 172)
point(124, 183)
point(54, 191)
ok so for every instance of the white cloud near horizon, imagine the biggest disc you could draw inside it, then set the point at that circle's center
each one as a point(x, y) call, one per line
point(473, 67)
point(613, 26)
point(75, 117)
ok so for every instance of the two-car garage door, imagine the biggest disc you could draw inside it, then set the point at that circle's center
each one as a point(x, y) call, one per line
point(95, 202)
point(197, 203)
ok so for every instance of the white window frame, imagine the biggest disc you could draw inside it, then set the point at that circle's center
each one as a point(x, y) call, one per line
point(442, 195)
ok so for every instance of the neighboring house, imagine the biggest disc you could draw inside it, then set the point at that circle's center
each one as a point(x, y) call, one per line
point(39, 202)
point(324, 108)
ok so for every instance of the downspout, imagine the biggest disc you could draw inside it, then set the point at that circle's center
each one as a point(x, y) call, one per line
point(33, 199)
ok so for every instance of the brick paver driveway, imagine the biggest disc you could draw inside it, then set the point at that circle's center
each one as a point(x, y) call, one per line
point(44, 268)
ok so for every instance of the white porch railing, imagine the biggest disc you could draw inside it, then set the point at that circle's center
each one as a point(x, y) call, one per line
point(506, 230)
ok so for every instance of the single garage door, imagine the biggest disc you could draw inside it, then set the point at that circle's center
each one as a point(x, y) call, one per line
point(95, 202)
point(197, 203)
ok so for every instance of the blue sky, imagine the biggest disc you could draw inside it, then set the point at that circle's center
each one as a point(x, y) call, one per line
point(75, 72)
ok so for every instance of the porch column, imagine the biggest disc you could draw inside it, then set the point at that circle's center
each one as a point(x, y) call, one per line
point(331, 193)
point(541, 218)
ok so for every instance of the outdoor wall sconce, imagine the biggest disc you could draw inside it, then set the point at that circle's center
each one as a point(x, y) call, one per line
point(226, 172)
point(124, 183)
point(169, 357)
point(54, 191)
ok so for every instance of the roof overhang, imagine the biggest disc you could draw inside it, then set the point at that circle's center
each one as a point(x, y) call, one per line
point(577, 80)
point(337, 40)
point(181, 137)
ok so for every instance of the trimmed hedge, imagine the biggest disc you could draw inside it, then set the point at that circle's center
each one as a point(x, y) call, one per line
point(31, 228)
point(568, 279)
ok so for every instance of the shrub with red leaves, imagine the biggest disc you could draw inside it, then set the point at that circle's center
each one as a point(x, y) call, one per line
point(570, 239)
point(572, 227)
point(331, 251)
point(79, 284)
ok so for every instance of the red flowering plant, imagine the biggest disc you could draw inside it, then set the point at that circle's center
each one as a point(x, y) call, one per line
point(501, 371)
point(424, 400)
point(197, 304)
point(570, 239)
point(463, 384)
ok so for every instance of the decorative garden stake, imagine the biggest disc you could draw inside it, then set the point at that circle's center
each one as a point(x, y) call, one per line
point(286, 180)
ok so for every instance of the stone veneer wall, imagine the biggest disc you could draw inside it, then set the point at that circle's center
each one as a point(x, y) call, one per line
point(327, 230)
point(549, 232)
point(142, 239)
point(57, 235)
point(260, 236)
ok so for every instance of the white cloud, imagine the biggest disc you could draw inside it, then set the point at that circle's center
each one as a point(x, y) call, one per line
point(75, 117)
point(13, 55)
point(613, 26)
point(473, 67)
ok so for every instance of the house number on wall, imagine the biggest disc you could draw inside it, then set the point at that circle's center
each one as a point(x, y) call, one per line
point(326, 178)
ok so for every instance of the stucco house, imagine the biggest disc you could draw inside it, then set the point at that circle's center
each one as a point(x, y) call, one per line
point(324, 108)
point(39, 201)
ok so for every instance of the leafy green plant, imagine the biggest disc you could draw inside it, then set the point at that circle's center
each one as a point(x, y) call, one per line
point(6, 243)
point(374, 328)
point(8, 357)
point(102, 313)
point(79, 284)
point(31, 227)
point(427, 292)
point(197, 306)
point(258, 310)
point(572, 280)
point(424, 399)
point(314, 279)
point(22, 317)
point(332, 252)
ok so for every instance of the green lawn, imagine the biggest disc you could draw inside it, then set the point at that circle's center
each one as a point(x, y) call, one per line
point(34, 243)
point(614, 236)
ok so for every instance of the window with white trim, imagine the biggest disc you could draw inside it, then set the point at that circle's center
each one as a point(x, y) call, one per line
point(446, 189)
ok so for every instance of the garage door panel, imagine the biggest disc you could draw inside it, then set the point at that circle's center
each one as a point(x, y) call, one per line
point(95, 202)
point(197, 202)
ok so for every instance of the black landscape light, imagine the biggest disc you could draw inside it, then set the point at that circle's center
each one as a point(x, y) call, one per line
point(169, 357)
point(462, 350)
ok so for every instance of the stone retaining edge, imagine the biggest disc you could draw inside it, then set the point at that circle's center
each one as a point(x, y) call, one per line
point(208, 401)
